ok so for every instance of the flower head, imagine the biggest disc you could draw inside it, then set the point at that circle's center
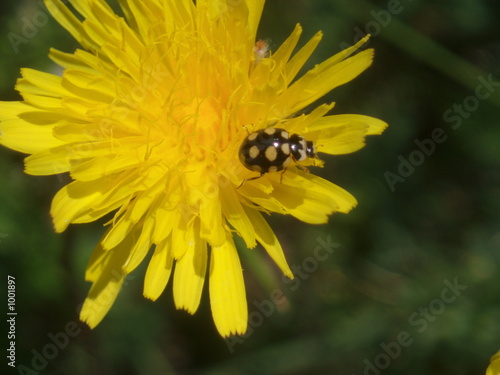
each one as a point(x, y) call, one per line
point(148, 118)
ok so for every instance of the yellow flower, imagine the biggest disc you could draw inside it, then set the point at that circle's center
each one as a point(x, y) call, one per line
point(148, 118)
point(494, 367)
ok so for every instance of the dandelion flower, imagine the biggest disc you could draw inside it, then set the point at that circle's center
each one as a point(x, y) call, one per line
point(148, 117)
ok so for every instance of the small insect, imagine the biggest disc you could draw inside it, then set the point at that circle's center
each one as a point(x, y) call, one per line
point(272, 150)
point(261, 50)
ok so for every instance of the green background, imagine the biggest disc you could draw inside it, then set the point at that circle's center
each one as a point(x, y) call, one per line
point(395, 255)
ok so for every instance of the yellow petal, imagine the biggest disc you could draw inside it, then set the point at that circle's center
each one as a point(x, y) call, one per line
point(13, 110)
point(82, 7)
point(181, 10)
point(72, 200)
point(341, 134)
point(339, 140)
point(227, 290)
point(159, 270)
point(217, 9)
point(261, 198)
point(212, 228)
point(118, 188)
point(41, 83)
point(119, 57)
point(117, 43)
point(190, 271)
point(344, 54)
point(299, 59)
point(180, 237)
point(70, 22)
point(268, 240)
point(282, 55)
point(90, 85)
point(165, 220)
point(140, 248)
point(25, 137)
point(101, 11)
point(118, 232)
point(92, 214)
point(344, 200)
point(321, 79)
point(26, 128)
point(255, 8)
point(301, 124)
point(310, 198)
point(100, 259)
point(49, 161)
point(373, 125)
point(117, 193)
point(142, 15)
point(233, 211)
point(76, 61)
point(494, 367)
point(133, 214)
point(130, 15)
point(107, 165)
point(105, 272)
point(101, 297)
point(47, 103)
point(259, 78)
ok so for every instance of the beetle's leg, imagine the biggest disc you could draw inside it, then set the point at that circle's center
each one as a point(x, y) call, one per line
point(249, 179)
point(304, 169)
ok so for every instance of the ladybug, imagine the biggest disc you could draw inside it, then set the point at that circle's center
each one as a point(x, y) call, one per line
point(273, 149)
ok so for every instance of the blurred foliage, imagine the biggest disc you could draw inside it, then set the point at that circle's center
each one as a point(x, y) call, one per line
point(393, 255)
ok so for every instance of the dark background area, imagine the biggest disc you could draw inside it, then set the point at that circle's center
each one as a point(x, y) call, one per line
point(413, 283)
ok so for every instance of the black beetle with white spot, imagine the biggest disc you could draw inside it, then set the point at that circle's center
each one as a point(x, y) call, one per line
point(273, 149)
